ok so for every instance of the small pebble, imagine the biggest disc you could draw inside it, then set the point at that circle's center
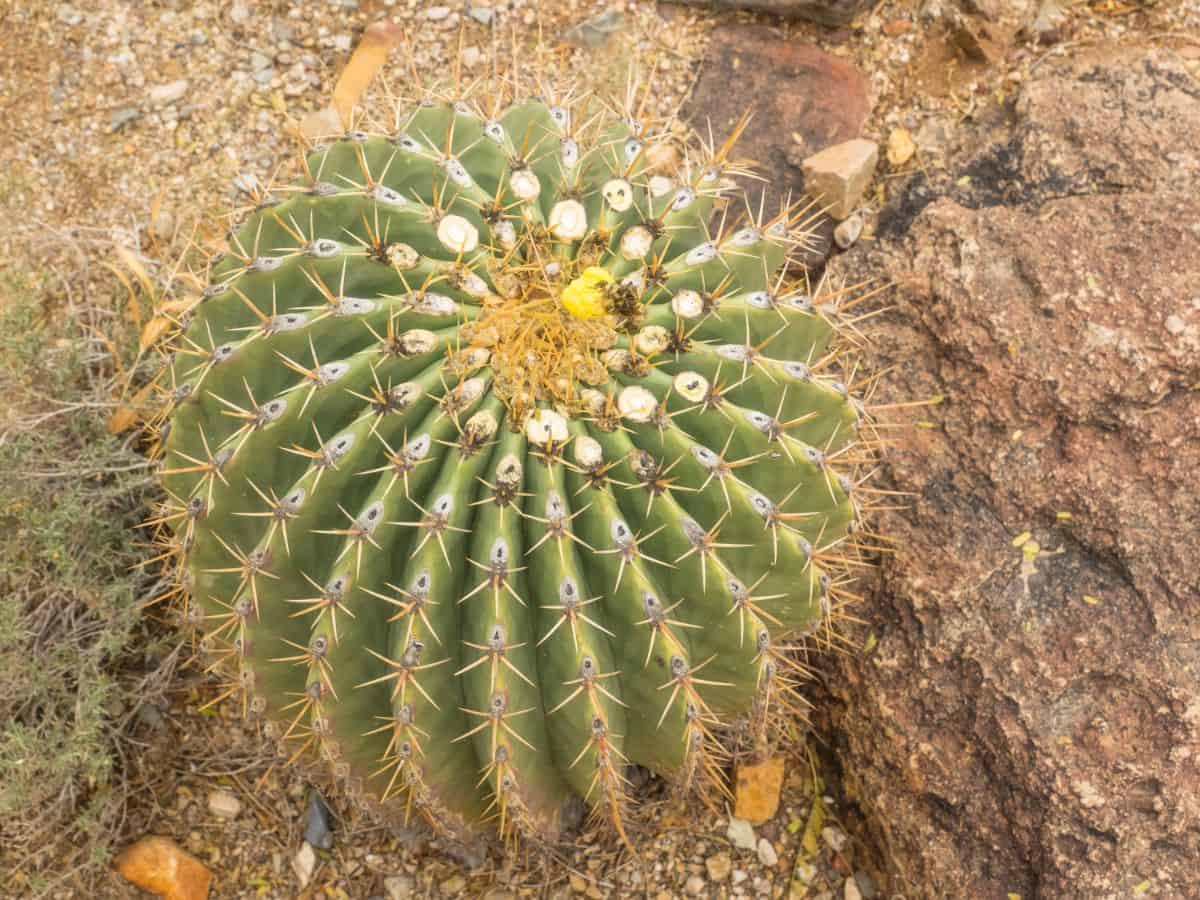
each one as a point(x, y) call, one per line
point(804, 872)
point(718, 866)
point(851, 891)
point(437, 13)
point(222, 804)
point(848, 232)
point(694, 886)
point(304, 863)
point(739, 875)
point(318, 829)
point(171, 92)
point(766, 852)
point(741, 833)
point(482, 14)
point(834, 837)
point(471, 57)
point(1175, 325)
point(900, 147)
point(259, 61)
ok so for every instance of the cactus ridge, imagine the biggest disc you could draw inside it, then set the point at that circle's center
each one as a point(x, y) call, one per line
point(494, 468)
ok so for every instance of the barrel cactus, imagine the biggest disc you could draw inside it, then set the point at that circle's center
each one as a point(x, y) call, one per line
point(498, 461)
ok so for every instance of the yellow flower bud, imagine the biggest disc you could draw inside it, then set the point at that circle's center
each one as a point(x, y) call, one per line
point(584, 297)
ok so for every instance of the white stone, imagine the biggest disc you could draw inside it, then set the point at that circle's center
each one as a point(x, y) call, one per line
point(851, 891)
point(741, 833)
point(304, 863)
point(437, 13)
point(224, 805)
point(172, 91)
point(835, 838)
point(471, 57)
point(804, 872)
point(847, 232)
point(766, 852)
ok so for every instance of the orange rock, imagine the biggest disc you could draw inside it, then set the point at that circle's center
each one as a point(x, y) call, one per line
point(160, 866)
point(758, 786)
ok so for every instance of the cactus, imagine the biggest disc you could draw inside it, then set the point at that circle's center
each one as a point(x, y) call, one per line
point(494, 466)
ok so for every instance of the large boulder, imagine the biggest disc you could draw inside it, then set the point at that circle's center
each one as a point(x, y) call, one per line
point(1027, 720)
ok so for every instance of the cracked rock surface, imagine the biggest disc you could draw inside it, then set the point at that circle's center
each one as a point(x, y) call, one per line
point(1028, 719)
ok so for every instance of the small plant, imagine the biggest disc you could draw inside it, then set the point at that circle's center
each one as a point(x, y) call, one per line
point(495, 468)
point(72, 646)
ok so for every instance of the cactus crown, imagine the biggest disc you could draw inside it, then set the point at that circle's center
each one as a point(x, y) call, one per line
point(497, 461)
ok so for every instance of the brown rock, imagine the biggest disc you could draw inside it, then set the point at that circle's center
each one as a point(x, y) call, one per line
point(838, 176)
point(757, 793)
point(1029, 717)
point(802, 100)
point(160, 866)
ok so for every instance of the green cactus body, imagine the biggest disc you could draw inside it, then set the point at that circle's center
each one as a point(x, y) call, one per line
point(493, 471)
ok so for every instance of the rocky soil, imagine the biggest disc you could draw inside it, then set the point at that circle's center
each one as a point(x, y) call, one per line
point(1021, 716)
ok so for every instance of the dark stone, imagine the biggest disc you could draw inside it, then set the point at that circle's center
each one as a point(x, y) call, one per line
point(792, 89)
point(823, 12)
point(318, 826)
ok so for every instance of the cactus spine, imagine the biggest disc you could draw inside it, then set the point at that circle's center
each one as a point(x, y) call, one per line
point(494, 467)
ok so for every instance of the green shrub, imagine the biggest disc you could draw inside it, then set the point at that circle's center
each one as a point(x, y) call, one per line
point(70, 496)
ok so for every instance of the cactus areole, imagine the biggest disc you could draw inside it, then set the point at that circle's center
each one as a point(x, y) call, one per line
point(497, 462)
